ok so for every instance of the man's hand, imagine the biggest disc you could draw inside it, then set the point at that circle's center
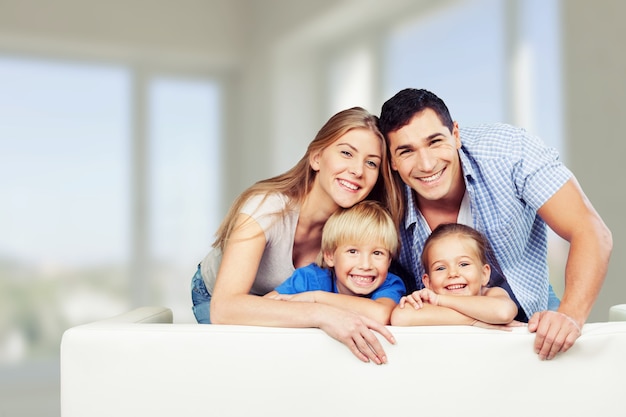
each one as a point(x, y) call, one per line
point(556, 332)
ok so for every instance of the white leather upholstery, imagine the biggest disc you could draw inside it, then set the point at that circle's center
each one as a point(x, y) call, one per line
point(617, 313)
point(125, 368)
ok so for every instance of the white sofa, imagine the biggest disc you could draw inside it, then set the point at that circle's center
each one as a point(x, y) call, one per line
point(140, 364)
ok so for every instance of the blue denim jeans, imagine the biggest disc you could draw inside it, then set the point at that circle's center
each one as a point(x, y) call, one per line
point(201, 299)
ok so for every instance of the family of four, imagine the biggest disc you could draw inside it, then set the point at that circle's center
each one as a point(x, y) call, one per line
point(408, 219)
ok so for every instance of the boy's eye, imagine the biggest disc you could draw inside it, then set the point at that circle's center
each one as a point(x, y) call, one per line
point(379, 253)
point(351, 250)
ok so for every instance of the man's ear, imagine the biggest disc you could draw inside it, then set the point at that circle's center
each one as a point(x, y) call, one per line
point(329, 259)
point(426, 280)
point(486, 274)
point(456, 134)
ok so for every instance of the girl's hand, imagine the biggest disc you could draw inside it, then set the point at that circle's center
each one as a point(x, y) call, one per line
point(428, 296)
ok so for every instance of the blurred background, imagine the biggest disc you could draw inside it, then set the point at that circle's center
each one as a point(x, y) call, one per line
point(128, 127)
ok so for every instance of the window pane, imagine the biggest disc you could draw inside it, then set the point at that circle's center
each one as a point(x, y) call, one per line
point(457, 53)
point(64, 190)
point(184, 184)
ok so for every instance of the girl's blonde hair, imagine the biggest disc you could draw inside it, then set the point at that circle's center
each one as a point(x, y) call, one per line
point(456, 229)
point(297, 182)
point(366, 221)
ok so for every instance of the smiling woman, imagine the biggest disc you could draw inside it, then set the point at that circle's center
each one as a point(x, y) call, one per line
point(345, 164)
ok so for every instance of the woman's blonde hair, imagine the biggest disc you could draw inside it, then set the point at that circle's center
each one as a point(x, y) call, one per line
point(366, 221)
point(296, 183)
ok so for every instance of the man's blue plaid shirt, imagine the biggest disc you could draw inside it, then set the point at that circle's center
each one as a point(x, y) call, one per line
point(509, 175)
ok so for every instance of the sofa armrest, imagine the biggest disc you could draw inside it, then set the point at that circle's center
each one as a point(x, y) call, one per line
point(617, 313)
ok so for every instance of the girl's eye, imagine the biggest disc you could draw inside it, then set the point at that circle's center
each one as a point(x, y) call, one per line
point(464, 264)
point(371, 164)
point(440, 268)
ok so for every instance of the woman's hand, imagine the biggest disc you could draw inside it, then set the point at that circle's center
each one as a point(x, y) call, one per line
point(355, 331)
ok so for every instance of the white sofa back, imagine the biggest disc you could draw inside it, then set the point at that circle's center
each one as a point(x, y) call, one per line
point(139, 364)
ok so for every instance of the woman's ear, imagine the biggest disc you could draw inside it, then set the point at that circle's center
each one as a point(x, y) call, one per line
point(486, 274)
point(314, 161)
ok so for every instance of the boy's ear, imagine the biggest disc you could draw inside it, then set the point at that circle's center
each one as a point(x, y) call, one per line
point(486, 274)
point(426, 280)
point(329, 259)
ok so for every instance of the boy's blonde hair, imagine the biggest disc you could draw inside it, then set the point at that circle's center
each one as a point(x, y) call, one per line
point(366, 221)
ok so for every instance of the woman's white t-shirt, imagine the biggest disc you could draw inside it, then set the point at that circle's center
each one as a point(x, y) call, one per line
point(279, 226)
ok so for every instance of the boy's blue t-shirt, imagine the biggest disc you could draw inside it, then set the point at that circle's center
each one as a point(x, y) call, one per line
point(314, 278)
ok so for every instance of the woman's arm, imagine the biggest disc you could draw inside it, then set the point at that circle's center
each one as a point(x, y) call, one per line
point(232, 303)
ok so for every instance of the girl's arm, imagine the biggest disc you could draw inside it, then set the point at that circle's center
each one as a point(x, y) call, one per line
point(428, 315)
point(232, 303)
point(493, 307)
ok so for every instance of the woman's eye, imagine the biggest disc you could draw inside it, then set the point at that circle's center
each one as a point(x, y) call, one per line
point(371, 164)
point(346, 153)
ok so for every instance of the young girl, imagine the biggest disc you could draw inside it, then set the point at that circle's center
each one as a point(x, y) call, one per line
point(351, 272)
point(276, 225)
point(456, 278)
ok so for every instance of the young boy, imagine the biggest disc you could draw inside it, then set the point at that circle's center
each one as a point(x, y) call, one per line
point(456, 279)
point(351, 271)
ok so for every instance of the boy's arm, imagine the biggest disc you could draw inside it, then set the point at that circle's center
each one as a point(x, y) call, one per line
point(379, 309)
point(493, 307)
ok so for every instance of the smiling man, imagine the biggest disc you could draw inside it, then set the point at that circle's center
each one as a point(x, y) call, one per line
point(510, 186)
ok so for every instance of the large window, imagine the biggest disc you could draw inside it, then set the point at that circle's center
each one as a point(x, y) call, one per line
point(82, 146)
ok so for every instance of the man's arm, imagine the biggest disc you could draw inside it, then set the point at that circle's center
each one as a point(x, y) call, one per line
point(571, 216)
